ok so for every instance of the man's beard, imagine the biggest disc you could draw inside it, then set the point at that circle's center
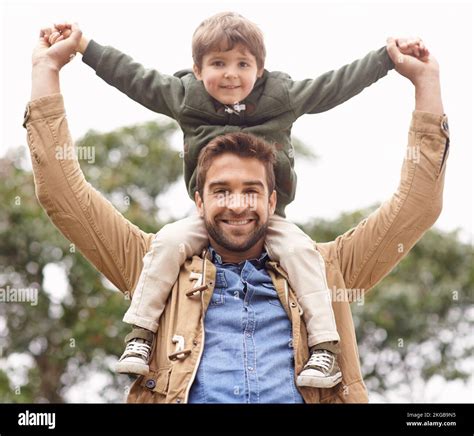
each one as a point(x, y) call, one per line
point(215, 232)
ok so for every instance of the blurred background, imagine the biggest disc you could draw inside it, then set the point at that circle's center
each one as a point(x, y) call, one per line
point(415, 330)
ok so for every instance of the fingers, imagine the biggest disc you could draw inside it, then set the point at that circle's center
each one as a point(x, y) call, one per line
point(54, 37)
point(66, 33)
point(59, 32)
point(45, 32)
point(62, 26)
point(76, 33)
point(412, 46)
point(393, 51)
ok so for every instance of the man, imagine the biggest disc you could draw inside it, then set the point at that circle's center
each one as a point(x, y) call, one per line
point(217, 342)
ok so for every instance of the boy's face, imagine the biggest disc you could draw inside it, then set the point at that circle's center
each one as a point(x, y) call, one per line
point(229, 76)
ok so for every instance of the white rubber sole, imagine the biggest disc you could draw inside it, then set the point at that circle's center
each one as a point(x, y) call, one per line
point(319, 382)
point(132, 368)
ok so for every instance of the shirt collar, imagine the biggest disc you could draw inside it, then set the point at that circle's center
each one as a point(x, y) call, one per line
point(217, 259)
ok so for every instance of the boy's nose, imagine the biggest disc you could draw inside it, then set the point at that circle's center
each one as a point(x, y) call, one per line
point(230, 74)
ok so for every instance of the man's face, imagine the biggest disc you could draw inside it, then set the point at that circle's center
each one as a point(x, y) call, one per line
point(229, 76)
point(236, 205)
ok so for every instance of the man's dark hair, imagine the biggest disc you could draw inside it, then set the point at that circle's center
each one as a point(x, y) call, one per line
point(240, 144)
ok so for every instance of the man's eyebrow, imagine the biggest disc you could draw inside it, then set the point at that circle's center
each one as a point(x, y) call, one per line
point(226, 183)
point(254, 183)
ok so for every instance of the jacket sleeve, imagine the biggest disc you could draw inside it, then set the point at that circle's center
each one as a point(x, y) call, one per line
point(158, 92)
point(82, 214)
point(368, 252)
point(312, 96)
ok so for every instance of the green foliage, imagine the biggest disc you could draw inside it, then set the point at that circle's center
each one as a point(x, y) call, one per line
point(68, 339)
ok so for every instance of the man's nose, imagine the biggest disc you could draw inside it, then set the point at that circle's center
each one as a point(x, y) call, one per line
point(238, 203)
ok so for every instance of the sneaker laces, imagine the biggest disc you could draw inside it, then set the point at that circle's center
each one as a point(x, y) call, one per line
point(141, 348)
point(321, 359)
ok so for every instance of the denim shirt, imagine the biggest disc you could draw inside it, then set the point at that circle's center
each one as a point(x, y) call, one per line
point(248, 354)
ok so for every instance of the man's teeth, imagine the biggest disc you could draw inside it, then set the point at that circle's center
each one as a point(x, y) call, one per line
point(238, 223)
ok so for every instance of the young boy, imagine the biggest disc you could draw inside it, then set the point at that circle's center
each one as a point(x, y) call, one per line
point(229, 90)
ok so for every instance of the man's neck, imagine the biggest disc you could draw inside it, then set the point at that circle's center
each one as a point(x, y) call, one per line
point(229, 256)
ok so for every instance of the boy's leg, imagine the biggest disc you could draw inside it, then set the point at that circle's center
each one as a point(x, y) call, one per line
point(172, 245)
point(298, 256)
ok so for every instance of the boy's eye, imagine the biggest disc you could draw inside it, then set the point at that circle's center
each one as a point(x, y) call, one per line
point(218, 64)
point(244, 64)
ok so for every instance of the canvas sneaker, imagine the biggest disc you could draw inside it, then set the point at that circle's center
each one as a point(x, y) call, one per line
point(135, 358)
point(321, 371)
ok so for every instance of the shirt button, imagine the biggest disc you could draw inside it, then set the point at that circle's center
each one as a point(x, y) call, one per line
point(249, 335)
point(250, 368)
point(150, 384)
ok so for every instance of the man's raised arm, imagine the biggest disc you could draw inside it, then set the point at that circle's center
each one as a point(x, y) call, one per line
point(372, 249)
point(110, 242)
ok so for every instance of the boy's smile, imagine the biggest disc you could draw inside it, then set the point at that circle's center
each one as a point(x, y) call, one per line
point(229, 76)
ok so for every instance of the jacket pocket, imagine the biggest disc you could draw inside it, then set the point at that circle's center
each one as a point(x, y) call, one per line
point(157, 380)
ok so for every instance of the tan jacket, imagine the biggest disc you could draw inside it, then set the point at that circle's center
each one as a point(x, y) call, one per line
point(356, 260)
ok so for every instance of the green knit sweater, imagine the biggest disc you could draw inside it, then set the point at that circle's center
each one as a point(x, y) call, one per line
point(275, 102)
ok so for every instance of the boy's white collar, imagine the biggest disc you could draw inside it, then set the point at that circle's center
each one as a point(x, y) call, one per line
point(236, 108)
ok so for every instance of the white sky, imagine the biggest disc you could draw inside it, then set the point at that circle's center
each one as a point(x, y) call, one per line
point(361, 144)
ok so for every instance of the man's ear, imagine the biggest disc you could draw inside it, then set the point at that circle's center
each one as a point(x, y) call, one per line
point(272, 201)
point(197, 72)
point(199, 204)
point(260, 72)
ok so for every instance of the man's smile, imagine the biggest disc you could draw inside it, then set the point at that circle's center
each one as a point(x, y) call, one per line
point(238, 223)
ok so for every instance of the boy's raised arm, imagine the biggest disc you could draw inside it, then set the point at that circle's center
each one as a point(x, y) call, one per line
point(156, 91)
point(312, 96)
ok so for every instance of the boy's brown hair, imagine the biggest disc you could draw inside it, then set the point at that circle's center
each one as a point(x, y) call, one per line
point(222, 32)
point(240, 144)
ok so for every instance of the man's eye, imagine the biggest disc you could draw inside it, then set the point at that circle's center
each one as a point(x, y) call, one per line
point(220, 191)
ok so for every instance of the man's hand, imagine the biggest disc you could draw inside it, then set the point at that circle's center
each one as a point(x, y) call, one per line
point(57, 55)
point(422, 71)
point(415, 67)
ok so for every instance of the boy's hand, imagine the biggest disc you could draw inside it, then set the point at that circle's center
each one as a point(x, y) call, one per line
point(63, 31)
point(412, 46)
